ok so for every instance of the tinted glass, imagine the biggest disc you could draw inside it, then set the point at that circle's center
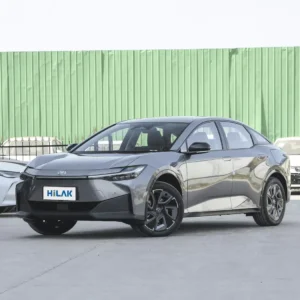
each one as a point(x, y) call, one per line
point(260, 139)
point(237, 136)
point(207, 133)
point(135, 137)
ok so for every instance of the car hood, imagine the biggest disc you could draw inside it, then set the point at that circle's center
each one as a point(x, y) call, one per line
point(295, 160)
point(80, 164)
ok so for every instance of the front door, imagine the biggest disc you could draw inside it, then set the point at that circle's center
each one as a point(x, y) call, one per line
point(209, 174)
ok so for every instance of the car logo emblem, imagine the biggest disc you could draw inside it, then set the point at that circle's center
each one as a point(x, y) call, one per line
point(62, 172)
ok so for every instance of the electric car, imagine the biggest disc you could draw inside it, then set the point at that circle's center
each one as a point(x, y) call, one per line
point(164, 169)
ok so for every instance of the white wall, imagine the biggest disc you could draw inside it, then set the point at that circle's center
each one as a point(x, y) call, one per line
point(32, 25)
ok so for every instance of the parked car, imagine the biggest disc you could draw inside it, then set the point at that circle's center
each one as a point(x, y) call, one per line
point(291, 146)
point(165, 169)
point(27, 148)
point(10, 171)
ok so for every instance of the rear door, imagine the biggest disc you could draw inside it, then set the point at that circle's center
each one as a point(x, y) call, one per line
point(246, 159)
point(209, 174)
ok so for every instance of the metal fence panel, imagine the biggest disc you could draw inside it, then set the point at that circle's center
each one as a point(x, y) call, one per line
point(69, 95)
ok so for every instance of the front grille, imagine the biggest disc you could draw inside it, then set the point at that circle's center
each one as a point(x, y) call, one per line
point(84, 189)
point(56, 206)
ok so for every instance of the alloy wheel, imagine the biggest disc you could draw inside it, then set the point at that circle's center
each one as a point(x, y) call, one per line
point(275, 202)
point(162, 210)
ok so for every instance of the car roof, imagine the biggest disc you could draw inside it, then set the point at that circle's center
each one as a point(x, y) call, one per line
point(177, 119)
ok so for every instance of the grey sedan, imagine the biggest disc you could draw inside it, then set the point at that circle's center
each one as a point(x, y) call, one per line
point(154, 172)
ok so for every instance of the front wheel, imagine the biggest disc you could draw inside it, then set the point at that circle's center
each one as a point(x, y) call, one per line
point(164, 211)
point(273, 204)
point(51, 227)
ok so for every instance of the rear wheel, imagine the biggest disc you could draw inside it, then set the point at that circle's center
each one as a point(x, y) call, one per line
point(164, 211)
point(51, 227)
point(272, 205)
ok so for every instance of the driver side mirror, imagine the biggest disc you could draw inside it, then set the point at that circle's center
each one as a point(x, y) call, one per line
point(71, 146)
point(198, 148)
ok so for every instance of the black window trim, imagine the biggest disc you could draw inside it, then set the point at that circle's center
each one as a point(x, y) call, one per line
point(250, 130)
point(202, 123)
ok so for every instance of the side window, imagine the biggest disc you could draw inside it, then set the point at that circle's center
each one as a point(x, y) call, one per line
point(260, 139)
point(237, 136)
point(207, 133)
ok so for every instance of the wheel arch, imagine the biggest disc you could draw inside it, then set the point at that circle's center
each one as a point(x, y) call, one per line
point(170, 179)
point(277, 174)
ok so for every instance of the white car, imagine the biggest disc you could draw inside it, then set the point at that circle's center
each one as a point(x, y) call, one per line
point(28, 148)
point(9, 176)
point(291, 146)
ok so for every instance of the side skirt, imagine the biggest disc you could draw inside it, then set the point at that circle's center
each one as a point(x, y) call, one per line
point(247, 212)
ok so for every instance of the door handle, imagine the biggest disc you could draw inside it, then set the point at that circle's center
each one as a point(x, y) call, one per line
point(227, 158)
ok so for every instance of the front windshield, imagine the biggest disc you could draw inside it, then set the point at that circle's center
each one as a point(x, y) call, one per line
point(290, 147)
point(135, 137)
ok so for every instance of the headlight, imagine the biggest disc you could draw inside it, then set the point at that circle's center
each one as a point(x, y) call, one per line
point(126, 174)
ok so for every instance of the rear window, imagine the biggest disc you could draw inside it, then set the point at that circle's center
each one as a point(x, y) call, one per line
point(258, 137)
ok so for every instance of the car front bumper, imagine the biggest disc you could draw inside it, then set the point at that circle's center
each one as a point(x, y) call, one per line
point(96, 200)
point(116, 209)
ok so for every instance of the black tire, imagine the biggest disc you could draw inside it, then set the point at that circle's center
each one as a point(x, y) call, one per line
point(264, 218)
point(162, 212)
point(51, 227)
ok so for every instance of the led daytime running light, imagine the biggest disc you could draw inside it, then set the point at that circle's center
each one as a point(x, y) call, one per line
point(123, 175)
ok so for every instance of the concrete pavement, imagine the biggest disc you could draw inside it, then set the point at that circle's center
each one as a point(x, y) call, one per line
point(227, 257)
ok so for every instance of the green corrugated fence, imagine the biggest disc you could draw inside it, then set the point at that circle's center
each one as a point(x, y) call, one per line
point(72, 94)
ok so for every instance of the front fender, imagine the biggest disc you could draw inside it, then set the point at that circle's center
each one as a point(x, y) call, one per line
point(180, 176)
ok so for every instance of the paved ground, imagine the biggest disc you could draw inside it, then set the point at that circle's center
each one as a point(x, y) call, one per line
point(209, 258)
